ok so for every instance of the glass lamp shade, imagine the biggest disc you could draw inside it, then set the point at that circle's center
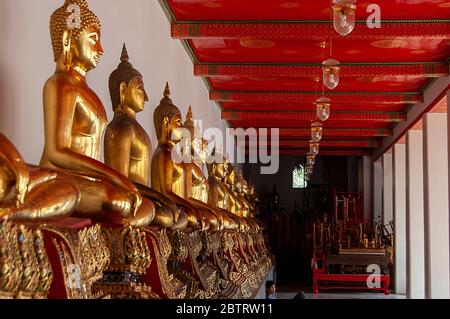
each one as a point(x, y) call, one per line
point(310, 159)
point(316, 131)
point(314, 148)
point(323, 108)
point(344, 16)
point(331, 70)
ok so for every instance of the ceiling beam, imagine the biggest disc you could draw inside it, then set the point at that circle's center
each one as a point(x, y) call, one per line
point(372, 143)
point(437, 29)
point(311, 116)
point(428, 70)
point(302, 152)
point(310, 97)
point(334, 132)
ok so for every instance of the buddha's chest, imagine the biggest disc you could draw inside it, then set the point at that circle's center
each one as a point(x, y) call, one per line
point(89, 117)
point(141, 147)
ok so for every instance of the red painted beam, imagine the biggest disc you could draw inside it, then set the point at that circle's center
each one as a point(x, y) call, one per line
point(311, 116)
point(310, 97)
point(322, 152)
point(336, 132)
point(305, 30)
point(429, 70)
point(324, 143)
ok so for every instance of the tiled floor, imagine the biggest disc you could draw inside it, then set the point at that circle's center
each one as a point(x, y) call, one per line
point(290, 292)
point(341, 295)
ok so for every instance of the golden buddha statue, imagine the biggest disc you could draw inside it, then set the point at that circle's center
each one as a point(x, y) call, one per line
point(128, 147)
point(75, 120)
point(30, 193)
point(242, 189)
point(197, 186)
point(234, 203)
point(230, 219)
point(218, 194)
point(167, 177)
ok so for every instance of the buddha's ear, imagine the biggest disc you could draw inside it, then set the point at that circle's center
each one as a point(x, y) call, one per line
point(67, 41)
point(122, 89)
point(166, 122)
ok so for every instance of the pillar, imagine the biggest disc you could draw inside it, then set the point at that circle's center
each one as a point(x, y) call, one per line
point(437, 266)
point(415, 259)
point(399, 198)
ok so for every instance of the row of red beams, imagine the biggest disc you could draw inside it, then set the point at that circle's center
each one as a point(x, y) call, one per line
point(226, 44)
point(310, 97)
point(429, 70)
point(298, 30)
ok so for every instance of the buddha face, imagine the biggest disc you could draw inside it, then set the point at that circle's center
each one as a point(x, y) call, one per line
point(134, 95)
point(175, 125)
point(86, 49)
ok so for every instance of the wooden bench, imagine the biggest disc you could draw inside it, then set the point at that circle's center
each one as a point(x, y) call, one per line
point(337, 281)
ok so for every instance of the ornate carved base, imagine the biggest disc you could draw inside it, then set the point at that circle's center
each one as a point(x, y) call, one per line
point(78, 258)
point(167, 285)
point(25, 271)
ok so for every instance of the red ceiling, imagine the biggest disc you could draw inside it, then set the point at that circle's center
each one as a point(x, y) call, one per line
point(257, 61)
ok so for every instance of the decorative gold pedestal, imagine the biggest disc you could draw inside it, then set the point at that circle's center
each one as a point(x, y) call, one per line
point(25, 271)
point(129, 260)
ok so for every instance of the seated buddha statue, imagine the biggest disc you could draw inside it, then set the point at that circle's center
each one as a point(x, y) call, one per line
point(231, 221)
point(167, 177)
point(235, 204)
point(197, 186)
point(29, 193)
point(242, 189)
point(218, 195)
point(128, 147)
point(75, 119)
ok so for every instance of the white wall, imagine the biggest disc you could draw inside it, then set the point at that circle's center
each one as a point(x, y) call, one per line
point(26, 61)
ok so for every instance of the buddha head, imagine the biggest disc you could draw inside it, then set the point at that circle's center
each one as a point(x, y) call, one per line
point(196, 143)
point(75, 34)
point(126, 86)
point(167, 120)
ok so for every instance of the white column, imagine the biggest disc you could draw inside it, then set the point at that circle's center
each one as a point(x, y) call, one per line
point(415, 259)
point(399, 194)
point(437, 266)
point(388, 207)
point(377, 189)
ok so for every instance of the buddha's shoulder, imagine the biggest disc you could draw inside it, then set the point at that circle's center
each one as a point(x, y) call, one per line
point(62, 81)
point(121, 125)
